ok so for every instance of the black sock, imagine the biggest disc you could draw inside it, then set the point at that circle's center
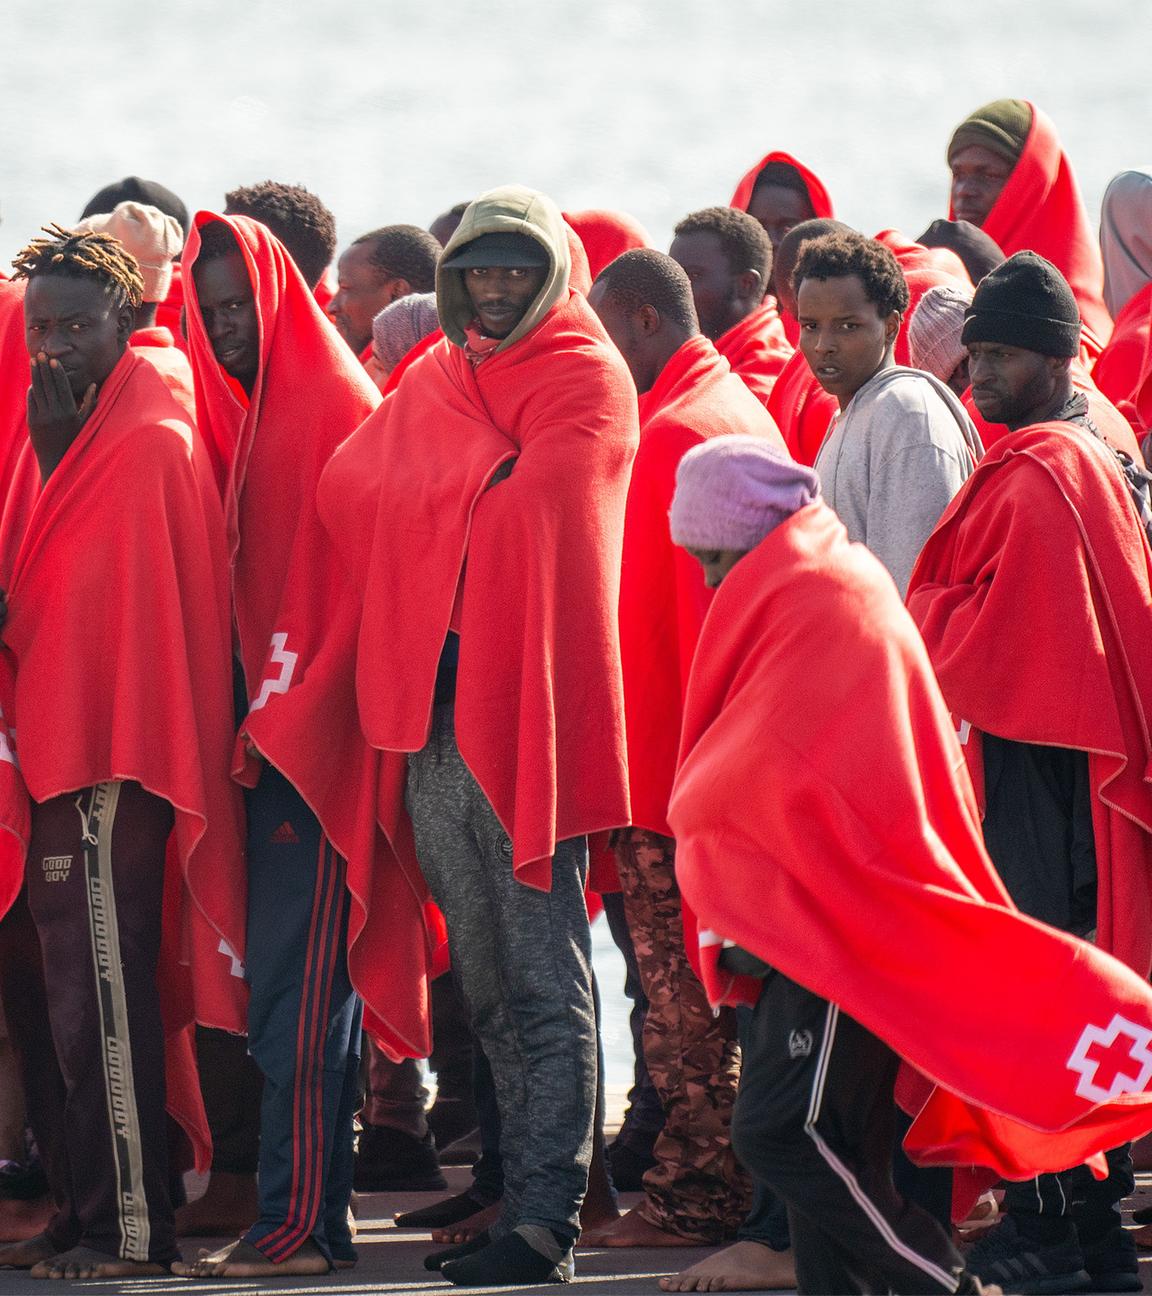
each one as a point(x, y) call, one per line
point(439, 1258)
point(513, 1260)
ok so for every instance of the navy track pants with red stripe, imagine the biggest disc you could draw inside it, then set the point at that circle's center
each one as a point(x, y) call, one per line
point(303, 1025)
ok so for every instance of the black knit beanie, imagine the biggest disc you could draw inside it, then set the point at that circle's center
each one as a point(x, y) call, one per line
point(1001, 126)
point(1025, 302)
point(133, 189)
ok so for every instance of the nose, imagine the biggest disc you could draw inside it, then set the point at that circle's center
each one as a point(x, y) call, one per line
point(217, 324)
point(336, 305)
point(825, 341)
point(56, 342)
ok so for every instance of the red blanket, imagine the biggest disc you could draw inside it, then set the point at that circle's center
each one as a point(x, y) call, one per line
point(757, 349)
point(830, 828)
point(605, 235)
point(169, 312)
point(1125, 365)
point(987, 580)
point(663, 598)
point(14, 380)
point(158, 347)
point(1040, 208)
point(296, 608)
point(118, 625)
point(923, 268)
point(539, 706)
point(803, 410)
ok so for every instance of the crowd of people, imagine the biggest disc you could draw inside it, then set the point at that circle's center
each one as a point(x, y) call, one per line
point(368, 623)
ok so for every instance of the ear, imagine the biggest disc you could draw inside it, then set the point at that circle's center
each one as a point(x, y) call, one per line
point(750, 286)
point(892, 327)
point(1059, 365)
point(397, 289)
point(125, 323)
point(648, 320)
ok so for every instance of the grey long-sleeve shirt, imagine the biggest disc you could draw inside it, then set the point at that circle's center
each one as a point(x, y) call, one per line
point(892, 461)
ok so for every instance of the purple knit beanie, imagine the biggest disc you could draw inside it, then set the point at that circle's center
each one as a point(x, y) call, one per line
point(732, 490)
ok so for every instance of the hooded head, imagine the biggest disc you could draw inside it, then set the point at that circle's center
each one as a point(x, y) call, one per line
point(510, 210)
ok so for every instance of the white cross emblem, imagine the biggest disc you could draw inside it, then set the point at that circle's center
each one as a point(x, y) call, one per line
point(277, 683)
point(237, 968)
point(1111, 1057)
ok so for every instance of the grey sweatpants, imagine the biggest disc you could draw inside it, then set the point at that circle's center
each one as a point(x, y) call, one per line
point(523, 958)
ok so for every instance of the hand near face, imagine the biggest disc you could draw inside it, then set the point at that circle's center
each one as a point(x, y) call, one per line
point(54, 418)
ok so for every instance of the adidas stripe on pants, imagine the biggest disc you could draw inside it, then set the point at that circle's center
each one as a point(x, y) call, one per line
point(815, 1120)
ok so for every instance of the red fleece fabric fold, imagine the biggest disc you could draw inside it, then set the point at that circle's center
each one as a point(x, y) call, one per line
point(987, 580)
point(296, 610)
point(118, 625)
point(923, 268)
point(832, 831)
point(1040, 209)
point(170, 310)
point(157, 345)
point(803, 410)
point(539, 696)
point(605, 235)
point(1124, 371)
point(757, 349)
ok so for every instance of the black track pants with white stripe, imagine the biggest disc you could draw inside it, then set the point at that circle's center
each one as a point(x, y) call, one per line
point(85, 1015)
point(815, 1121)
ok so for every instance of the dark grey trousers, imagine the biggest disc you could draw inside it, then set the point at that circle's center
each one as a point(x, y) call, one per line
point(524, 962)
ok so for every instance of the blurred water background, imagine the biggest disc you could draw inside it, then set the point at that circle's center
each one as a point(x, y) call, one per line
point(393, 111)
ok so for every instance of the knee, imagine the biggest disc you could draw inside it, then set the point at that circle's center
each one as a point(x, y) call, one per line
point(765, 1140)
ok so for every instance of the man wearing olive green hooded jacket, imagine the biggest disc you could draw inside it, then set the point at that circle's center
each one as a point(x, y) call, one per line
point(489, 661)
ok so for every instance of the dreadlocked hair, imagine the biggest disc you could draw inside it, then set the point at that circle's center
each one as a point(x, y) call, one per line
point(90, 254)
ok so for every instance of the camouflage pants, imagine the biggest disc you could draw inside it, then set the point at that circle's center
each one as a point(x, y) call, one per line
point(697, 1188)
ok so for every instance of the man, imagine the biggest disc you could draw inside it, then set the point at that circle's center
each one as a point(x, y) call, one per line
point(447, 223)
point(1011, 178)
point(901, 445)
point(816, 825)
point(378, 269)
point(695, 1194)
point(112, 558)
point(154, 239)
point(1058, 752)
point(298, 218)
point(489, 676)
point(803, 410)
point(781, 193)
point(728, 260)
point(277, 391)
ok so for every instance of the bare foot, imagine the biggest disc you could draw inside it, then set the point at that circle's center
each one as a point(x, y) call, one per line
point(241, 1259)
point(744, 1266)
point(23, 1255)
point(229, 1205)
point(598, 1217)
point(21, 1220)
point(83, 1262)
point(467, 1229)
point(633, 1230)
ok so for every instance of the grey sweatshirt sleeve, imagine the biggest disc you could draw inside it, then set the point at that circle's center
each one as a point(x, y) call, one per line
point(907, 493)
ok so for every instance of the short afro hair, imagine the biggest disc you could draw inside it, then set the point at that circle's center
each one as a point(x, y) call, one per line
point(298, 219)
point(644, 277)
point(404, 252)
point(217, 240)
point(845, 253)
point(781, 175)
point(746, 245)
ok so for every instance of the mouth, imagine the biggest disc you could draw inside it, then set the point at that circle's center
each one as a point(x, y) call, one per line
point(828, 372)
point(229, 355)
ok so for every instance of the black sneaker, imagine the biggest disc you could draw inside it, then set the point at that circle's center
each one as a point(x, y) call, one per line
point(1005, 1256)
point(389, 1160)
point(1112, 1260)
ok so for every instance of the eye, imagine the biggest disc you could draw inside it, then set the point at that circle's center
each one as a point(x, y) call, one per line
point(518, 272)
point(848, 326)
point(77, 326)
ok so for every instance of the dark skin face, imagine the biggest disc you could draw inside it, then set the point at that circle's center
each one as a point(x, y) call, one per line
point(75, 335)
point(1017, 387)
point(843, 336)
point(717, 563)
point(722, 298)
point(978, 175)
point(501, 295)
point(778, 210)
point(228, 309)
point(363, 292)
point(644, 338)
